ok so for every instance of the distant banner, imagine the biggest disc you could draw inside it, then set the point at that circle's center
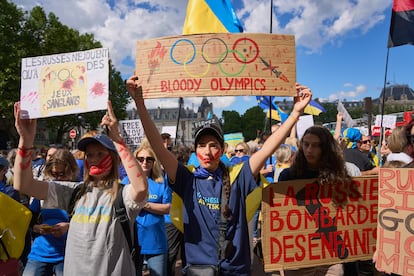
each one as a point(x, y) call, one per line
point(303, 227)
point(388, 121)
point(395, 234)
point(66, 83)
point(132, 132)
point(217, 65)
point(232, 139)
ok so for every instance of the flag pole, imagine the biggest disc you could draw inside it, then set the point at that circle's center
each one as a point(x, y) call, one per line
point(271, 100)
point(270, 97)
point(180, 105)
point(382, 109)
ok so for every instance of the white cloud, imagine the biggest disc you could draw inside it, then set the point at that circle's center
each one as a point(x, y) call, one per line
point(352, 93)
point(314, 23)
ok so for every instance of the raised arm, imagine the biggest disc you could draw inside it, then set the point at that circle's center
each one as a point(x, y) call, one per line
point(338, 127)
point(23, 176)
point(139, 191)
point(167, 159)
point(257, 160)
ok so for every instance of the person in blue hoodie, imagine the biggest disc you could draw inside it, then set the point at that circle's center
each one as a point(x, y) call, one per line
point(48, 248)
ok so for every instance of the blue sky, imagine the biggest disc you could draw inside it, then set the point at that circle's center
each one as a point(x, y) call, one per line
point(341, 46)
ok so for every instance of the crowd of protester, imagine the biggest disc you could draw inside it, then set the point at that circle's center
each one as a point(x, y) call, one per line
point(162, 179)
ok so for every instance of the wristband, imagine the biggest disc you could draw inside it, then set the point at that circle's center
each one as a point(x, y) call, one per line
point(294, 118)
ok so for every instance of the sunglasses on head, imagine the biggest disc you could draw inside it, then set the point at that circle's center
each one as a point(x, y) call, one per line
point(147, 159)
point(238, 150)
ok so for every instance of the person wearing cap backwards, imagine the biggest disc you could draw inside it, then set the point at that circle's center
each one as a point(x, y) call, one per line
point(96, 244)
point(200, 189)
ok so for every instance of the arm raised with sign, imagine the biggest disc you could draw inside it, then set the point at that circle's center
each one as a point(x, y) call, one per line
point(258, 159)
point(167, 159)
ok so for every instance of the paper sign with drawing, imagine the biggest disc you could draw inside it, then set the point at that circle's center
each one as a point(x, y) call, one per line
point(66, 83)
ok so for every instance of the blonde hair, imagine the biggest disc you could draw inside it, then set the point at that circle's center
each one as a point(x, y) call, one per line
point(397, 141)
point(156, 171)
point(283, 153)
point(245, 147)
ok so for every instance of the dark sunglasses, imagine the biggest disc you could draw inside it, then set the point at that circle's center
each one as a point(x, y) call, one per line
point(238, 150)
point(58, 174)
point(147, 159)
point(365, 141)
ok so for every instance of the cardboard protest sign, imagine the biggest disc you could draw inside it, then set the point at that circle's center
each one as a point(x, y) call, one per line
point(395, 233)
point(132, 132)
point(307, 224)
point(66, 83)
point(222, 64)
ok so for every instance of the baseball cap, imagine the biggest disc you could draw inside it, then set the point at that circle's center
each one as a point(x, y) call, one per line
point(100, 138)
point(211, 126)
point(3, 162)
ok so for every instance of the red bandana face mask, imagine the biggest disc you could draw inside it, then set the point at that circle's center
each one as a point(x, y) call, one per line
point(104, 166)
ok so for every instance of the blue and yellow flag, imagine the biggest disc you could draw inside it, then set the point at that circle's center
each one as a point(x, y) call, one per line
point(314, 108)
point(276, 113)
point(211, 16)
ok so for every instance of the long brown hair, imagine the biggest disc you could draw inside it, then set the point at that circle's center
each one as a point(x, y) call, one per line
point(332, 169)
point(65, 158)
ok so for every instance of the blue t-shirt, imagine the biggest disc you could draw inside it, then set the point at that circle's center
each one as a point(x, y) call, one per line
point(9, 190)
point(201, 215)
point(48, 248)
point(152, 236)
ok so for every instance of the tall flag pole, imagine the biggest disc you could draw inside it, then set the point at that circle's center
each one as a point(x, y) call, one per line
point(401, 33)
point(271, 31)
point(210, 16)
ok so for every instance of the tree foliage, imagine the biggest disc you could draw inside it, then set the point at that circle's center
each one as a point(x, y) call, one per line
point(36, 34)
point(253, 121)
point(232, 121)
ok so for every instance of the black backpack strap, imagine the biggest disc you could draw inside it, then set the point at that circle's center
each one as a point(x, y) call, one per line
point(76, 195)
point(121, 214)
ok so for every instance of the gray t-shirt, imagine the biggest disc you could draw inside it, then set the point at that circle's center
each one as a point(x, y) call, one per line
point(96, 243)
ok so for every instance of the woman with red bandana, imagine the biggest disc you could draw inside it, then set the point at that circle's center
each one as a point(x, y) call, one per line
point(201, 189)
point(95, 244)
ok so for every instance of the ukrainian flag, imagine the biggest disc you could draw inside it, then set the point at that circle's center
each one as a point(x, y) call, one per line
point(314, 108)
point(211, 16)
point(276, 113)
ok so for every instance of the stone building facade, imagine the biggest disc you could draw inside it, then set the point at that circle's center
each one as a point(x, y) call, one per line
point(179, 116)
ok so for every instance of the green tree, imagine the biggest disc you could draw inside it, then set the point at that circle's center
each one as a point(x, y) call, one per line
point(11, 45)
point(37, 34)
point(232, 121)
point(253, 121)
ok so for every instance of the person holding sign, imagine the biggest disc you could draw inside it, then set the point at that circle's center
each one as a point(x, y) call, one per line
point(95, 244)
point(213, 194)
point(51, 225)
point(319, 156)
